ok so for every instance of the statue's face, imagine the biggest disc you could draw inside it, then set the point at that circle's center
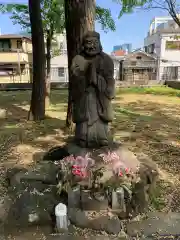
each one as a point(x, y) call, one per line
point(92, 46)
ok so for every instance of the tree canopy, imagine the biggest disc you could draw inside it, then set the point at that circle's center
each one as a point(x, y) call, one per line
point(53, 12)
point(172, 7)
point(53, 15)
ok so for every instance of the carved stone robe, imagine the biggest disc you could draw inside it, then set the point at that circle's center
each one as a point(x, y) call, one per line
point(93, 89)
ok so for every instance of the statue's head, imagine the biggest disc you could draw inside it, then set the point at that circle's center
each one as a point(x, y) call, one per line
point(91, 44)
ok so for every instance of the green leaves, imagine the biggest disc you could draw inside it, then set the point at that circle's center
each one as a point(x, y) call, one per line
point(20, 14)
point(103, 16)
point(53, 15)
point(54, 18)
point(127, 6)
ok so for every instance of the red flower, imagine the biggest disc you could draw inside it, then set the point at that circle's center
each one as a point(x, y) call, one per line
point(79, 172)
point(76, 167)
point(76, 172)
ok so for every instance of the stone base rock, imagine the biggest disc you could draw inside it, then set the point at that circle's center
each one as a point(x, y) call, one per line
point(34, 191)
point(33, 195)
point(101, 223)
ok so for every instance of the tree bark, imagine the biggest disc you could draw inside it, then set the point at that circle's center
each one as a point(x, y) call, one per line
point(37, 108)
point(48, 68)
point(79, 18)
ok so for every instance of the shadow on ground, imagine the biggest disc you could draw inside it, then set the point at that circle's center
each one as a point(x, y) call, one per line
point(142, 124)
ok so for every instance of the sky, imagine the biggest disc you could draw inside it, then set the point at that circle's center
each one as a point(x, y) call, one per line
point(130, 28)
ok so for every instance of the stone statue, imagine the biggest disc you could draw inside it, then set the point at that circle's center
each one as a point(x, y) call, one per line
point(93, 88)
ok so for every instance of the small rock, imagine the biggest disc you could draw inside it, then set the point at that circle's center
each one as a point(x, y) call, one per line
point(113, 226)
point(3, 113)
point(122, 235)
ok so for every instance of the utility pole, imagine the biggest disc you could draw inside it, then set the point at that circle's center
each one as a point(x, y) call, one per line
point(19, 65)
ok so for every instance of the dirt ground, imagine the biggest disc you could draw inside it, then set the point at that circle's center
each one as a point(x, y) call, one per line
point(145, 123)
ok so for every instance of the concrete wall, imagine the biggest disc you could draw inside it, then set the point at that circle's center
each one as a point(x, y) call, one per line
point(173, 84)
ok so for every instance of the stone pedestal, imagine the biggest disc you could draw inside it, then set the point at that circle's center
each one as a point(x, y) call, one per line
point(35, 191)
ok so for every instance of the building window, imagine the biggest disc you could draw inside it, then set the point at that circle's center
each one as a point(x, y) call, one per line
point(19, 44)
point(138, 57)
point(5, 45)
point(150, 49)
point(63, 48)
point(173, 45)
point(61, 72)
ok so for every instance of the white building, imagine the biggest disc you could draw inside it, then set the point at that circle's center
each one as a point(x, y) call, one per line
point(163, 40)
point(59, 64)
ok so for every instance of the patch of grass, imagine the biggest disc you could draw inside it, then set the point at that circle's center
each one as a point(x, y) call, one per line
point(163, 90)
point(133, 114)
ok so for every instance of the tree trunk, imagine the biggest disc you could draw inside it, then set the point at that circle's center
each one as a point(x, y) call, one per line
point(37, 108)
point(48, 68)
point(79, 16)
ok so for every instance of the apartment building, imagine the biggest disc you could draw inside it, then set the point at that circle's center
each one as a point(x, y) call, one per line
point(163, 40)
point(15, 58)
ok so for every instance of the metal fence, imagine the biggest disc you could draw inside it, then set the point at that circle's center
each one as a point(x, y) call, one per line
point(15, 74)
point(23, 74)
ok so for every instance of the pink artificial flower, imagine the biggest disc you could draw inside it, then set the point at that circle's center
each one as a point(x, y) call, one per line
point(76, 172)
point(84, 174)
point(79, 171)
point(127, 170)
point(70, 159)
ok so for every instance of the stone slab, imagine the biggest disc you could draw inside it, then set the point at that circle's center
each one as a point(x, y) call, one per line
point(156, 223)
